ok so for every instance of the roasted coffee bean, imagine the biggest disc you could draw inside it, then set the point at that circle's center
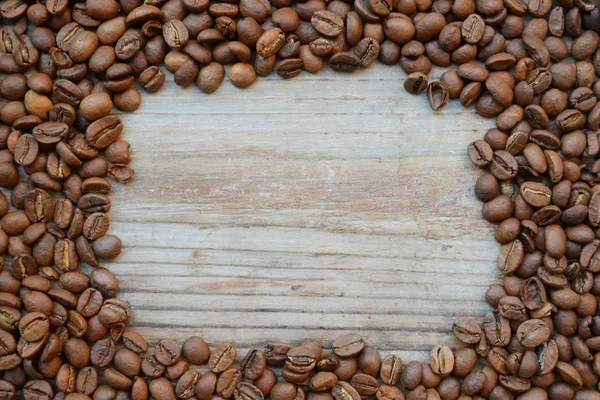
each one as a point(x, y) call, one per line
point(227, 382)
point(222, 357)
point(38, 390)
point(327, 23)
point(503, 165)
point(344, 61)
point(466, 330)
point(411, 375)
point(348, 345)
point(248, 391)
point(480, 153)
point(391, 368)
point(300, 359)
point(416, 83)
point(206, 385)
point(161, 388)
point(270, 42)
point(438, 95)
point(497, 329)
point(344, 391)
point(167, 352)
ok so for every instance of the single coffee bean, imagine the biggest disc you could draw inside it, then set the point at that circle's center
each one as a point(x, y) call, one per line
point(323, 381)
point(270, 42)
point(300, 359)
point(348, 345)
point(344, 391)
point(438, 95)
point(161, 388)
point(242, 75)
point(416, 83)
point(536, 194)
point(466, 330)
point(222, 357)
point(26, 150)
point(391, 368)
point(38, 390)
point(175, 33)
point(228, 381)
point(411, 375)
point(365, 384)
point(327, 23)
point(289, 68)
point(344, 61)
point(253, 364)
point(481, 153)
point(472, 29)
point(247, 391)
point(441, 360)
point(532, 333)
point(503, 165)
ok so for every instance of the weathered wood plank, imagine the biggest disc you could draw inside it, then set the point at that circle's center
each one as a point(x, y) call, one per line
point(309, 207)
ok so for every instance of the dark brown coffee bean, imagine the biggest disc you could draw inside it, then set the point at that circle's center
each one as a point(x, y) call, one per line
point(175, 33)
point(497, 329)
point(186, 385)
point(364, 384)
point(289, 67)
point(344, 391)
point(129, 44)
point(113, 311)
point(416, 83)
point(327, 23)
point(470, 94)
point(536, 194)
point(344, 61)
point(466, 330)
point(473, 72)
point(227, 382)
point(8, 390)
point(247, 391)
point(348, 345)
point(438, 95)
point(107, 247)
point(50, 132)
point(38, 390)
point(367, 50)
point(167, 352)
point(134, 341)
point(300, 360)
point(222, 357)
point(539, 79)
point(205, 386)
point(323, 381)
point(104, 131)
point(480, 153)
point(26, 150)
point(472, 29)
point(411, 375)
point(161, 388)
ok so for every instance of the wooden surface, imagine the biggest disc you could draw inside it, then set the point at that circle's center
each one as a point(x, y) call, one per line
point(310, 207)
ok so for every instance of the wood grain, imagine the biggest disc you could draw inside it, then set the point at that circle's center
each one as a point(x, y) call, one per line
point(304, 208)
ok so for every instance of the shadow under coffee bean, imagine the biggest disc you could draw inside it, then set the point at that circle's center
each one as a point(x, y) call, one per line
point(540, 341)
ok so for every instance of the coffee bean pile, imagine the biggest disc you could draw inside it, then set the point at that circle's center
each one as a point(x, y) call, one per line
point(64, 66)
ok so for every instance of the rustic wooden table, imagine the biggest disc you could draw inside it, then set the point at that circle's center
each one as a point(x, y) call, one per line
point(309, 207)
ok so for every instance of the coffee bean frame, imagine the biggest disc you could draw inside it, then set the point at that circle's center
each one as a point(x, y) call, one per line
point(540, 187)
